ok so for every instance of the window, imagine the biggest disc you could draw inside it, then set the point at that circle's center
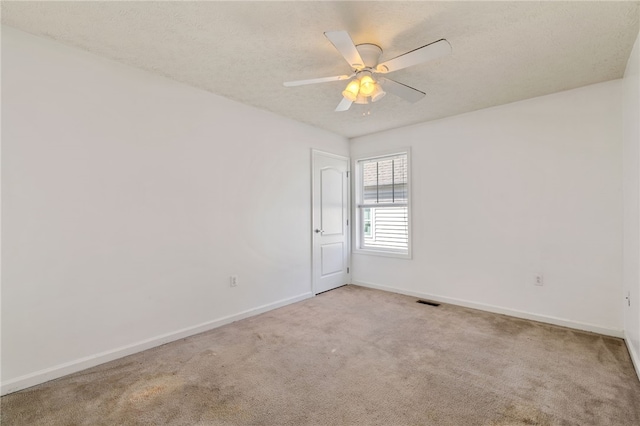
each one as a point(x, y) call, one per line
point(382, 197)
point(366, 224)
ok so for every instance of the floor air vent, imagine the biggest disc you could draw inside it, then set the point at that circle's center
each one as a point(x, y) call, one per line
point(428, 302)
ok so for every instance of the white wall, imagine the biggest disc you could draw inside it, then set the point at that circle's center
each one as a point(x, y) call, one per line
point(631, 185)
point(129, 200)
point(505, 193)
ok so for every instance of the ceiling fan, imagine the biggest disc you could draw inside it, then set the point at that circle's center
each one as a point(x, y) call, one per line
point(363, 59)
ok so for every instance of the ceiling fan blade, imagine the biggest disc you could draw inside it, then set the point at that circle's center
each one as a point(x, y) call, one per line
point(316, 80)
point(343, 43)
point(344, 105)
point(422, 54)
point(402, 90)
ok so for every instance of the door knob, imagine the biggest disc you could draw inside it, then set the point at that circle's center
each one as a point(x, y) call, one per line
point(318, 231)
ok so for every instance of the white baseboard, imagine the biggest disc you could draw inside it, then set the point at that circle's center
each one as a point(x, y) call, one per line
point(499, 310)
point(635, 356)
point(38, 377)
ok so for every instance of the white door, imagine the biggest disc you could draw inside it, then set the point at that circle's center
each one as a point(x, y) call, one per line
point(330, 221)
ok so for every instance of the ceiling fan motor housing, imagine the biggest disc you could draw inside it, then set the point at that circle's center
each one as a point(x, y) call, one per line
point(370, 54)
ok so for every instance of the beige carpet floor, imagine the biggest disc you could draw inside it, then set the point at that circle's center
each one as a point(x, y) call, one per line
point(353, 356)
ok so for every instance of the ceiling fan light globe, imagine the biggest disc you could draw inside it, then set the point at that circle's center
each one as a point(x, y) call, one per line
point(351, 91)
point(367, 85)
point(377, 94)
point(348, 95)
point(362, 99)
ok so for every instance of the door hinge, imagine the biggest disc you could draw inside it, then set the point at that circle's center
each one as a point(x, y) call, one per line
point(347, 222)
point(347, 270)
point(347, 174)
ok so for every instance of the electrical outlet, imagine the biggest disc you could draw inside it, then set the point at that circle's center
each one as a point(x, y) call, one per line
point(538, 280)
point(233, 280)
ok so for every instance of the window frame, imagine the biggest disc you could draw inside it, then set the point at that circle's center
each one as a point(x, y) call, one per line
point(358, 209)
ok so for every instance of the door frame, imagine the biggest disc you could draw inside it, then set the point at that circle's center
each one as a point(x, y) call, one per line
point(315, 153)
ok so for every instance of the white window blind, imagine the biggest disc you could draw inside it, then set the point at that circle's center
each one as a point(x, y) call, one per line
point(383, 196)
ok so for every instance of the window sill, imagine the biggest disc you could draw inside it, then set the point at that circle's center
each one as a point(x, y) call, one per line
point(383, 253)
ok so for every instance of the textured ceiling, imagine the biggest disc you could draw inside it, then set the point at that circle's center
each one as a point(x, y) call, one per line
point(502, 51)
